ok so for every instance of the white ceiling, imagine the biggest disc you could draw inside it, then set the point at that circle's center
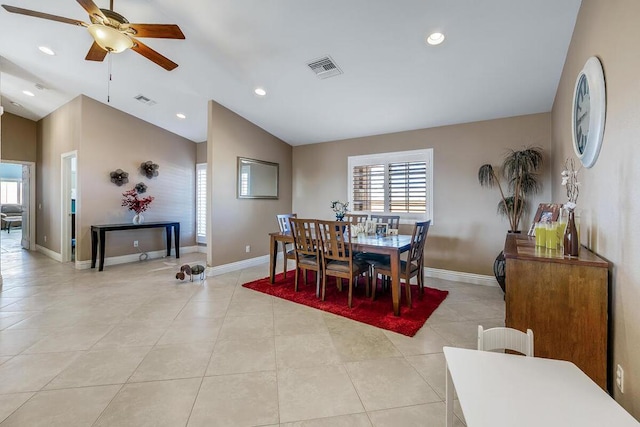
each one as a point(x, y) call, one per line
point(500, 58)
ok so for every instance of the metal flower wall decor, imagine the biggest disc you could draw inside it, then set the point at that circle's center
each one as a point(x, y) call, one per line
point(141, 188)
point(149, 169)
point(119, 177)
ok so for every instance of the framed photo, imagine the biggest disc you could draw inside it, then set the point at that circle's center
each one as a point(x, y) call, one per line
point(381, 229)
point(370, 227)
point(547, 212)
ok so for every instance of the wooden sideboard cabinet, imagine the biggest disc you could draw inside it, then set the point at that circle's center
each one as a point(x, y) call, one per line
point(563, 300)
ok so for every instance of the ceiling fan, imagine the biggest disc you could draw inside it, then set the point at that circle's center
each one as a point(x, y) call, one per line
point(112, 33)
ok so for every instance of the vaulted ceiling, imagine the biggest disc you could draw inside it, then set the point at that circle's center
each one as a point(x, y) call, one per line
point(500, 58)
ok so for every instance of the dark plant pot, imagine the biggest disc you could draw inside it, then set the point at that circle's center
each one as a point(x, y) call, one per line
point(499, 266)
point(499, 270)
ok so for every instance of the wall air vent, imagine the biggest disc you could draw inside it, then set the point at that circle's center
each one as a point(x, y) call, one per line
point(324, 67)
point(145, 100)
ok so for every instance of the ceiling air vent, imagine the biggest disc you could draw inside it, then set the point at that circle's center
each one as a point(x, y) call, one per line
point(145, 100)
point(324, 67)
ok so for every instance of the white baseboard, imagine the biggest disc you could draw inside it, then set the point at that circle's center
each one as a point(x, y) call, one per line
point(234, 266)
point(48, 252)
point(124, 259)
point(458, 276)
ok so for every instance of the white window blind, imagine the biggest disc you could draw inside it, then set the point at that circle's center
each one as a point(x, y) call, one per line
point(408, 187)
point(368, 188)
point(398, 183)
point(201, 202)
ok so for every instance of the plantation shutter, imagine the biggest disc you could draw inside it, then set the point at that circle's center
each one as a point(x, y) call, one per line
point(201, 202)
point(407, 187)
point(368, 188)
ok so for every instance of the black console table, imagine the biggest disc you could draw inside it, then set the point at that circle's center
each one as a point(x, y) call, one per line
point(98, 234)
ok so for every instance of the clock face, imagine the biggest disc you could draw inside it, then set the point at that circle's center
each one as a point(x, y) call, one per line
point(588, 112)
point(582, 108)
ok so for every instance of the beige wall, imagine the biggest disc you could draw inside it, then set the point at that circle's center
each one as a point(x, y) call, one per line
point(236, 223)
point(201, 152)
point(18, 138)
point(467, 234)
point(58, 133)
point(609, 196)
point(107, 139)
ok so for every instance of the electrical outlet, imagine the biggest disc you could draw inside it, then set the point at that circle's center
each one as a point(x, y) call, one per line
point(45, 239)
point(247, 249)
point(135, 243)
point(620, 378)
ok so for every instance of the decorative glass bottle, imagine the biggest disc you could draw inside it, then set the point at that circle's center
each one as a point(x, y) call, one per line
point(571, 239)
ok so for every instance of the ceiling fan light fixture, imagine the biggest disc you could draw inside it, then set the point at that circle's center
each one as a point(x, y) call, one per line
point(109, 38)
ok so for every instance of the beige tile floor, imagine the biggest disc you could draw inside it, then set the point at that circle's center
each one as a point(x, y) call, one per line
point(132, 346)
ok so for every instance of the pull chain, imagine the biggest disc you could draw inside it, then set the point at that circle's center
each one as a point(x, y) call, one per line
point(109, 79)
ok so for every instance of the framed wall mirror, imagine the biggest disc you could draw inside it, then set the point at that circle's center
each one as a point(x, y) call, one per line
point(257, 179)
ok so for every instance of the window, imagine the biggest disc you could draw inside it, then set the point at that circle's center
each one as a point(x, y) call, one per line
point(11, 192)
point(201, 203)
point(399, 183)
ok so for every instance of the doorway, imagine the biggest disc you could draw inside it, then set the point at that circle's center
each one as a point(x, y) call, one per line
point(69, 167)
point(17, 195)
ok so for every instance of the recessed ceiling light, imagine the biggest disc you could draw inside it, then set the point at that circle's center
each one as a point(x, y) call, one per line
point(435, 39)
point(260, 91)
point(181, 116)
point(26, 92)
point(47, 50)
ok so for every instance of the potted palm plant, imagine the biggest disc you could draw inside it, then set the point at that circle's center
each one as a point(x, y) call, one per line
point(519, 170)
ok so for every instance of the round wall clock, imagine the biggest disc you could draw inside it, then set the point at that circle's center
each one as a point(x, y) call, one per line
point(589, 110)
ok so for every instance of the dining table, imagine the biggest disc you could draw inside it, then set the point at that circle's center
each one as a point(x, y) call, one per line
point(391, 245)
point(506, 390)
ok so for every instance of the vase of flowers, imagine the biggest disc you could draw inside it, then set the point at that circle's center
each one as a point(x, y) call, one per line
point(339, 208)
point(570, 181)
point(131, 201)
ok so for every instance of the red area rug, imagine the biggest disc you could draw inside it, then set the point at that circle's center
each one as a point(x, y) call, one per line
point(377, 313)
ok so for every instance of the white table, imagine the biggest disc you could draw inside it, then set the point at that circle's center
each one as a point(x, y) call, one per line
point(497, 389)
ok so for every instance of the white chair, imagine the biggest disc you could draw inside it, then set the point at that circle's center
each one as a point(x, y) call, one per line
point(505, 339)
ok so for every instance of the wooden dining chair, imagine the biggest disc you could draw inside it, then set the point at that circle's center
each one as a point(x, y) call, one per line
point(413, 266)
point(337, 256)
point(306, 249)
point(288, 253)
point(356, 218)
point(392, 220)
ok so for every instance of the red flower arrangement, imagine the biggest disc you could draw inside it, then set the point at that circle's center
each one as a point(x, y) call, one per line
point(133, 203)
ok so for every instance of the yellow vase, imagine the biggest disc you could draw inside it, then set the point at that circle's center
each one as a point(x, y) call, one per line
point(541, 234)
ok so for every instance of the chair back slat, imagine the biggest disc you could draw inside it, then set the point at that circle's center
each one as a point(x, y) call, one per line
point(356, 218)
point(335, 241)
point(505, 339)
point(283, 221)
point(392, 220)
point(304, 233)
point(418, 238)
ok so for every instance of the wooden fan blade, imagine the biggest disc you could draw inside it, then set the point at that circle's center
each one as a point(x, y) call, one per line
point(42, 15)
point(96, 53)
point(152, 55)
point(91, 8)
point(160, 31)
